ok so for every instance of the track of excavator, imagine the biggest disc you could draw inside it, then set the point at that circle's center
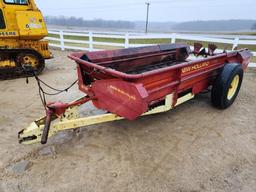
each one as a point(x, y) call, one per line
point(14, 62)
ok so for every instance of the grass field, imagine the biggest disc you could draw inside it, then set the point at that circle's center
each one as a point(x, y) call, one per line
point(145, 41)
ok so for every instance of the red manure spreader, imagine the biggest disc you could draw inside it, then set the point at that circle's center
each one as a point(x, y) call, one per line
point(133, 82)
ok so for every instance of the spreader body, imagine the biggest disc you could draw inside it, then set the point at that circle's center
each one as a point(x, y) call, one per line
point(128, 82)
point(134, 82)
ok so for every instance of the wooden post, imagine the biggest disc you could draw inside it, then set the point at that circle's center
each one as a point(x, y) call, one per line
point(173, 38)
point(235, 44)
point(62, 44)
point(148, 4)
point(126, 43)
point(90, 41)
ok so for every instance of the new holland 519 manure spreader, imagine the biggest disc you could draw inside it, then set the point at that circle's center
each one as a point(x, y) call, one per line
point(130, 83)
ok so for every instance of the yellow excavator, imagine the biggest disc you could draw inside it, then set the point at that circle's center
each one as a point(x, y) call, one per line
point(22, 29)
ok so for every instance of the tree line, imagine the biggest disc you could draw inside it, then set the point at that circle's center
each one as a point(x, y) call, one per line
point(254, 26)
point(220, 25)
point(99, 23)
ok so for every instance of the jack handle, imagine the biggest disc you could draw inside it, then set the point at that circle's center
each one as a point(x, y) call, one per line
point(47, 125)
point(57, 109)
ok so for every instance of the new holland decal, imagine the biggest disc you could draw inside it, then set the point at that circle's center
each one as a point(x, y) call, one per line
point(132, 97)
point(195, 67)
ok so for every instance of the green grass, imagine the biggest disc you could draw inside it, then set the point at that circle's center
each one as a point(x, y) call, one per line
point(243, 33)
point(254, 60)
point(250, 47)
point(149, 41)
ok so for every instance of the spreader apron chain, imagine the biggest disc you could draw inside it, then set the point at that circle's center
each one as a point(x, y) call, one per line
point(40, 130)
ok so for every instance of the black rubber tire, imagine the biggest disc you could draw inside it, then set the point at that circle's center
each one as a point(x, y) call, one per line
point(221, 85)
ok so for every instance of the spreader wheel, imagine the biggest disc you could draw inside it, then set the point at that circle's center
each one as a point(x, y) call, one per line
point(227, 85)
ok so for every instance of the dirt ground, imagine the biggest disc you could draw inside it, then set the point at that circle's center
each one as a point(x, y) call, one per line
point(192, 148)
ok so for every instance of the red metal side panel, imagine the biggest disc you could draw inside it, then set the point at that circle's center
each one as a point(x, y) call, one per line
point(160, 85)
point(125, 99)
point(245, 58)
point(130, 95)
point(109, 55)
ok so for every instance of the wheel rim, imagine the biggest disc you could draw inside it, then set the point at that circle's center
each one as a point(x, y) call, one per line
point(233, 87)
point(30, 59)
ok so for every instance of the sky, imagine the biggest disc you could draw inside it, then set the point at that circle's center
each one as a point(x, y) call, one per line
point(160, 10)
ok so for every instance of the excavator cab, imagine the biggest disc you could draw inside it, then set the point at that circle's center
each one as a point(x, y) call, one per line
point(19, 2)
point(22, 29)
point(23, 19)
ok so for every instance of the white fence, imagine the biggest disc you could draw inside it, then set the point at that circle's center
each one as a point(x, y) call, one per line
point(91, 41)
